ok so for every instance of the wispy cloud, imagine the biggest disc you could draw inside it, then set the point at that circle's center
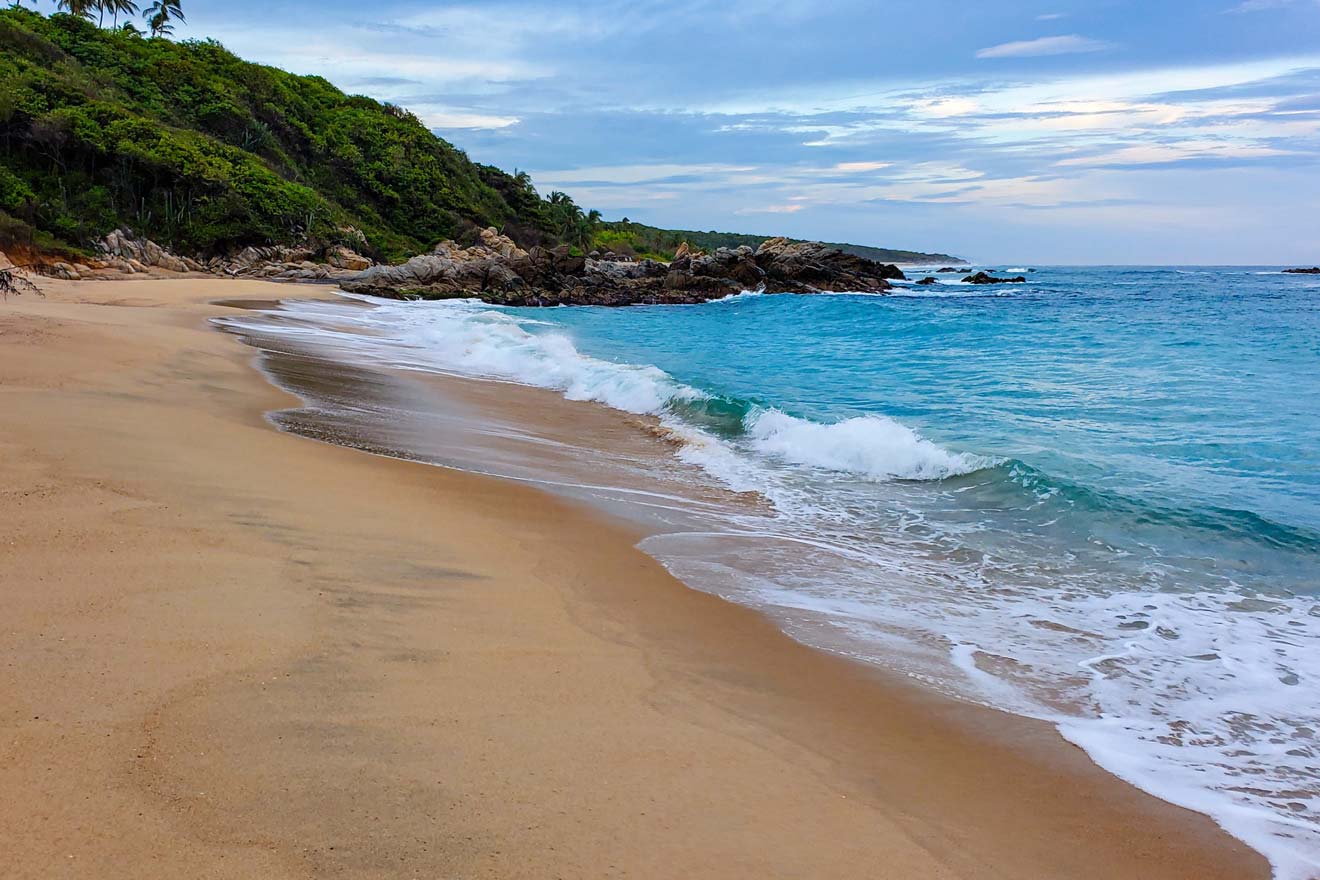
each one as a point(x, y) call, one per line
point(1069, 44)
point(772, 209)
point(964, 150)
point(1163, 154)
point(860, 167)
point(443, 120)
point(1265, 5)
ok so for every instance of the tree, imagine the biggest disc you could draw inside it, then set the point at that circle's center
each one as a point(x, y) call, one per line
point(159, 15)
point(571, 224)
point(79, 8)
point(121, 7)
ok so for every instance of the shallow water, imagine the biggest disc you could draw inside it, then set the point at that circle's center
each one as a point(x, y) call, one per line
point(1093, 498)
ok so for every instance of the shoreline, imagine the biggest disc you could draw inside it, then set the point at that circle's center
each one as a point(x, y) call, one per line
point(311, 662)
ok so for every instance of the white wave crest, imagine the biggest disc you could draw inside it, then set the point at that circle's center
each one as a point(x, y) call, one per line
point(468, 338)
point(872, 446)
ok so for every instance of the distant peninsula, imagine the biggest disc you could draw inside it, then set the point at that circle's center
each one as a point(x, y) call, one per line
point(209, 155)
point(638, 239)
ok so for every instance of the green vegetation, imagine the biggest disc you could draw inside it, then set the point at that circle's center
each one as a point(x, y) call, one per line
point(637, 239)
point(189, 145)
point(202, 151)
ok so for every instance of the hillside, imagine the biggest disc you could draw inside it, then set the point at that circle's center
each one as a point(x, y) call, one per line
point(198, 149)
point(194, 148)
point(641, 239)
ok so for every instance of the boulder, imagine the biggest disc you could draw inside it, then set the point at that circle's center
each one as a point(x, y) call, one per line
point(985, 278)
point(342, 258)
point(927, 281)
point(500, 244)
point(686, 250)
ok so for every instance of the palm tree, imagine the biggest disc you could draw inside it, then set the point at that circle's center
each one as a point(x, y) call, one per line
point(79, 8)
point(159, 15)
point(121, 7)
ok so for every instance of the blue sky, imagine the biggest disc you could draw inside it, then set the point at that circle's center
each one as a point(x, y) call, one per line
point(1025, 130)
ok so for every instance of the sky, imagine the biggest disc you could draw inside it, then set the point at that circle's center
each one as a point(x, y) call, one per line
point(1053, 131)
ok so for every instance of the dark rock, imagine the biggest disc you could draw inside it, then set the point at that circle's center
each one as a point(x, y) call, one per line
point(928, 280)
point(810, 265)
point(984, 278)
point(497, 271)
point(1314, 270)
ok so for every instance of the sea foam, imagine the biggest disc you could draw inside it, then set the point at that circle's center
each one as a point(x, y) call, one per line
point(869, 446)
point(1199, 698)
point(474, 340)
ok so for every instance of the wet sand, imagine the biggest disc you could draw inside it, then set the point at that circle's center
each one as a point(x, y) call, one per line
point(227, 651)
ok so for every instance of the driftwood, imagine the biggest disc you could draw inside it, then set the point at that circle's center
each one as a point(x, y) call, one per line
point(13, 280)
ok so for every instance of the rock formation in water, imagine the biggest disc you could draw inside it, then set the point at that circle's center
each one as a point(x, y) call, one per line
point(497, 271)
point(985, 278)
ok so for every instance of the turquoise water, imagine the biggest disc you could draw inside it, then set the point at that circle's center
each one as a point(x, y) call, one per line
point(1093, 498)
point(1191, 396)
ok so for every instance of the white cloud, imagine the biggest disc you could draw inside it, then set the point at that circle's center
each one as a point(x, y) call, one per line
point(451, 119)
point(1064, 45)
point(630, 174)
point(772, 209)
point(860, 167)
point(943, 108)
point(1263, 5)
point(1159, 154)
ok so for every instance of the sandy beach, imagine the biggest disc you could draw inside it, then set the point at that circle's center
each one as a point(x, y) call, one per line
point(227, 651)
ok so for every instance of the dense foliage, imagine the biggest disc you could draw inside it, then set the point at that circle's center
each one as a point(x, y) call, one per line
point(189, 145)
point(198, 149)
point(638, 239)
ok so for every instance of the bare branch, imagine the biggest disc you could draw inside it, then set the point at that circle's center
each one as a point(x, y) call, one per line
point(13, 280)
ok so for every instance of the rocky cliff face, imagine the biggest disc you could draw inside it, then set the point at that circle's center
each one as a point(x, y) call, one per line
point(498, 271)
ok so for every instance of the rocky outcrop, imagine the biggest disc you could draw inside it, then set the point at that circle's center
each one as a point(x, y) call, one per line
point(123, 251)
point(985, 278)
point(1314, 270)
point(954, 269)
point(65, 271)
point(498, 271)
point(283, 263)
point(811, 266)
point(494, 268)
point(927, 281)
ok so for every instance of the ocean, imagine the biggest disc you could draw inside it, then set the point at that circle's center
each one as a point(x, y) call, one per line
point(1092, 499)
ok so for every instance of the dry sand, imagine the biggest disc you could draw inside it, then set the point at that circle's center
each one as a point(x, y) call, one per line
point(231, 652)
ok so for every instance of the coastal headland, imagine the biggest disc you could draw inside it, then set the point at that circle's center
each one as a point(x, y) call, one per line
point(229, 651)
